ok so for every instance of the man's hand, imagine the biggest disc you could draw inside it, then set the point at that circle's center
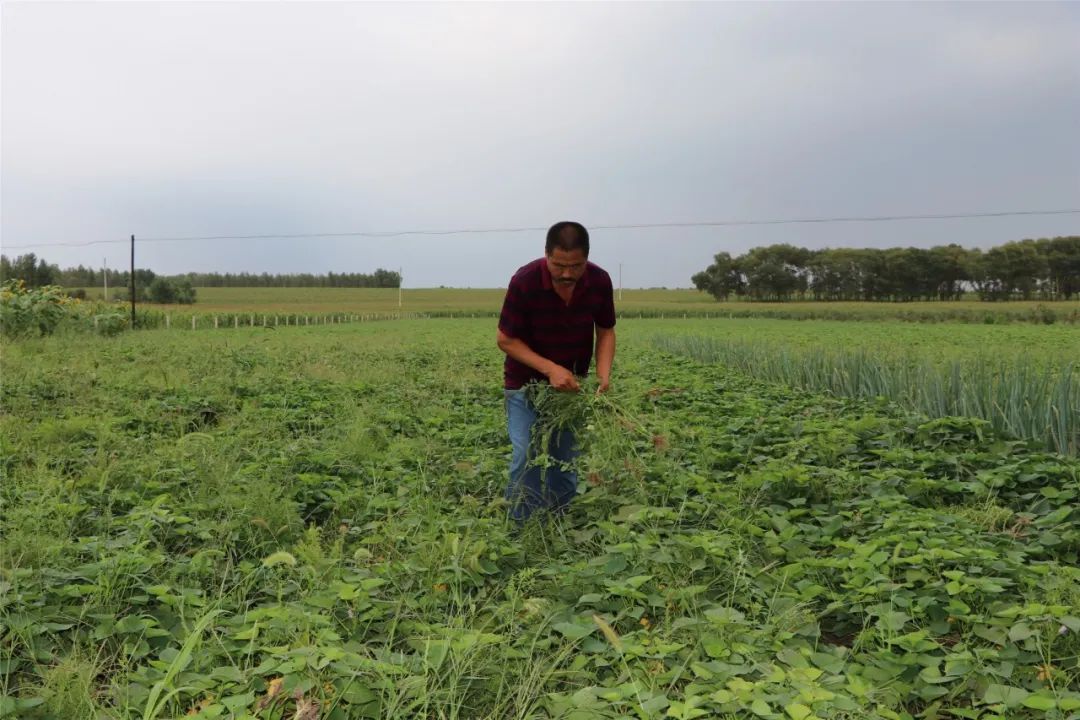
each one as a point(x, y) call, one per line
point(605, 383)
point(562, 379)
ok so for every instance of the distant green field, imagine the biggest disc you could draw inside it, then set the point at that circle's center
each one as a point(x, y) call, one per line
point(1021, 378)
point(647, 302)
point(1032, 344)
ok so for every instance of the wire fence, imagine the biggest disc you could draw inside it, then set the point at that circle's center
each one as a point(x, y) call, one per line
point(108, 320)
point(376, 234)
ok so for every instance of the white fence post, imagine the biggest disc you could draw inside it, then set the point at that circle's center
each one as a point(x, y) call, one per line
point(168, 321)
point(215, 322)
point(193, 321)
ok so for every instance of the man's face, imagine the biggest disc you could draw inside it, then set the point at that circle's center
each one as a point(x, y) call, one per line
point(566, 266)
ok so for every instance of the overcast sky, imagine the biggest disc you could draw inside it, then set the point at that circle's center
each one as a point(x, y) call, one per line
point(181, 119)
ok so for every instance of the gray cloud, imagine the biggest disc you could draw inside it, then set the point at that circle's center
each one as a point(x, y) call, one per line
point(244, 118)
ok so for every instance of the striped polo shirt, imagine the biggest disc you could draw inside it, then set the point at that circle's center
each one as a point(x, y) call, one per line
point(561, 332)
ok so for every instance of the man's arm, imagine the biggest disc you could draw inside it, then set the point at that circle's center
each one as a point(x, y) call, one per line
point(605, 355)
point(560, 377)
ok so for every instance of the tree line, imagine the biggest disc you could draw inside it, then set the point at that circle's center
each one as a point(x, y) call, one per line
point(36, 272)
point(1046, 269)
point(379, 279)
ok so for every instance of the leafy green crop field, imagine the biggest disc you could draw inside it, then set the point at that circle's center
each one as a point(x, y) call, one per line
point(1022, 344)
point(673, 303)
point(307, 522)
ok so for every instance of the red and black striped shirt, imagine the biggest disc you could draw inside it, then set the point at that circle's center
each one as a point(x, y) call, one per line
point(563, 333)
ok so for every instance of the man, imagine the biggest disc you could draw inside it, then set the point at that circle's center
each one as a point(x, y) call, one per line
point(552, 309)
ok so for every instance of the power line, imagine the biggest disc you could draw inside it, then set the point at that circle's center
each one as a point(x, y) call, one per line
point(635, 226)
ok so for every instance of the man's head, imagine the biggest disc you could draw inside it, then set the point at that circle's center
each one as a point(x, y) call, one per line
point(567, 251)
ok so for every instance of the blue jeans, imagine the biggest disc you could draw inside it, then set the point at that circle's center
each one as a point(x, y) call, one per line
point(533, 488)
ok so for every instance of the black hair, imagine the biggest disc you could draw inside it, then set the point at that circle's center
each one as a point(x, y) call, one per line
point(568, 235)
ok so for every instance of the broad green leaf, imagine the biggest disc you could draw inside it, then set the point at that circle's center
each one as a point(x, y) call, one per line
point(1010, 696)
point(574, 631)
point(797, 711)
point(716, 649)
point(1020, 631)
point(724, 615)
point(130, 624)
point(227, 673)
point(1040, 702)
point(893, 621)
point(655, 704)
point(1070, 622)
point(722, 696)
point(585, 698)
point(356, 693)
point(235, 703)
point(433, 652)
point(760, 707)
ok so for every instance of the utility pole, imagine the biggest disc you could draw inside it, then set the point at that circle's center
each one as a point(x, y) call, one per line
point(105, 277)
point(132, 282)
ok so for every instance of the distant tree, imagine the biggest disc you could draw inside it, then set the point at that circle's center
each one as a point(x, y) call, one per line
point(1062, 255)
point(1048, 268)
point(775, 272)
point(161, 291)
point(185, 293)
point(949, 271)
point(30, 269)
point(379, 278)
point(1014, 269)
point(836, 274)
point(721, 279)
point(904, 274)
point(167, 292)
point(78, 277)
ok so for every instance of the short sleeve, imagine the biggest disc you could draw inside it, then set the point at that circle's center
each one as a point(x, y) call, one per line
point(605, 312)
point(512, 320)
